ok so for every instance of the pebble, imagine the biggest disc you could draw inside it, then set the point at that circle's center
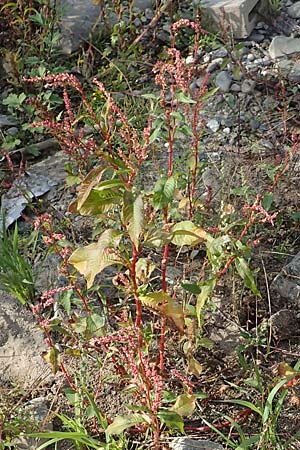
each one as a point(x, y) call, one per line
point(248, 86)
point(6, 121)
point(254, 124)
point(250, 57)
point(256, 36)
point(220, 53)
point(215, 64)
point(185, 443)
point(213, 125)
point(190, 60)
point(294, 10)
point(226, 130)
point(12, 131)
point(235, 87)
point(224, 80)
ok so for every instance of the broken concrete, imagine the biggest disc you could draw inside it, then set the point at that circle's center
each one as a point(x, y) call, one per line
point(282, 46)
point(240, 16)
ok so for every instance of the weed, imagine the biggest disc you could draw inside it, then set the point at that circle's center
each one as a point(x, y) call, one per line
point(16, 276)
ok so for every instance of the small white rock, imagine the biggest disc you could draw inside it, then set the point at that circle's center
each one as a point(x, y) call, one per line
point(213, 125)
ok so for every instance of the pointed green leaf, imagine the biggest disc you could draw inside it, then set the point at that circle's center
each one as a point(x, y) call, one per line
point(93, 258)
point(206, 291)
point(185, 404)
point(165, 305)
point(171, 419)
point(121, 423)
point(245, 273)
point(186, 233)
point(164, 190)
point(184, 98)
point(133, 216)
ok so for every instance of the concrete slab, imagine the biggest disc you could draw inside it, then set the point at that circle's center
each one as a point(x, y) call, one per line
point(240, 15)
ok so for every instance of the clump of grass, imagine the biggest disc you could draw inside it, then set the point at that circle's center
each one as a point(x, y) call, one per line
point(16, 276)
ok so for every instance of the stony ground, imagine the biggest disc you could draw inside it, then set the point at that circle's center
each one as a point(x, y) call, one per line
point(248, 126)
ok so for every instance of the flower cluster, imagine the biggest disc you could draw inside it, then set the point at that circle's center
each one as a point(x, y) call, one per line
point(48, 298)
point(144, 373)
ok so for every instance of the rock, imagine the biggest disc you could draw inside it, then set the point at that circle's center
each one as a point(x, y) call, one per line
point(215, 64)
point(38, 180)
point(12, 131)
point(79, 17)
point(7, 121)
point(256, 37)
point(248, 86)
point(287, 282)
point(21, 345)
point(294, 10)
point(220, 53)
point(226, 130)
point(213, 125)
point(250, 57)
point(36, 410)
point(235, 87)
point(224, 80)
point(284, 324)
point(254, 124)
point(290, 69)
point(283, 46)
point(185, 443)
point(190, 60)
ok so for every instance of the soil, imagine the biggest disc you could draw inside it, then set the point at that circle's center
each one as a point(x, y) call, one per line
point(236, 326)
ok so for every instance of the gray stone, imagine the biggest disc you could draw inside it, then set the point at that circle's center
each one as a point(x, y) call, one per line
point(38, 180)
point(256, 36)
point(81, 16)
point(235, 87)
point(21, 345)
point(250, 57)
point(215, 64)
point(284, 324)
point(213, 125)
point(35, 410)
point(224, 80)
point(12, 131)
point(248, 86)
point(7, 121)
point(291, 69)
point(185, 443)
point(294, 10)
point(220, 53)
point(240, 15)
point(287, 282)
point(283, 46)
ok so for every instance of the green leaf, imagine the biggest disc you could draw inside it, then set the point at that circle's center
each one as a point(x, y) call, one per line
point(187, 233)
point(121, 423)
point(171, 419)
point(245, 273)
point(165, 305)
point(185, 404)
point(164, 190)
point(206, 291)
point(184, 98)
point(93, 258)
point(95, 324)
point(133, 216)
point(267, 200)
point(157, 238)
point(192, 288)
